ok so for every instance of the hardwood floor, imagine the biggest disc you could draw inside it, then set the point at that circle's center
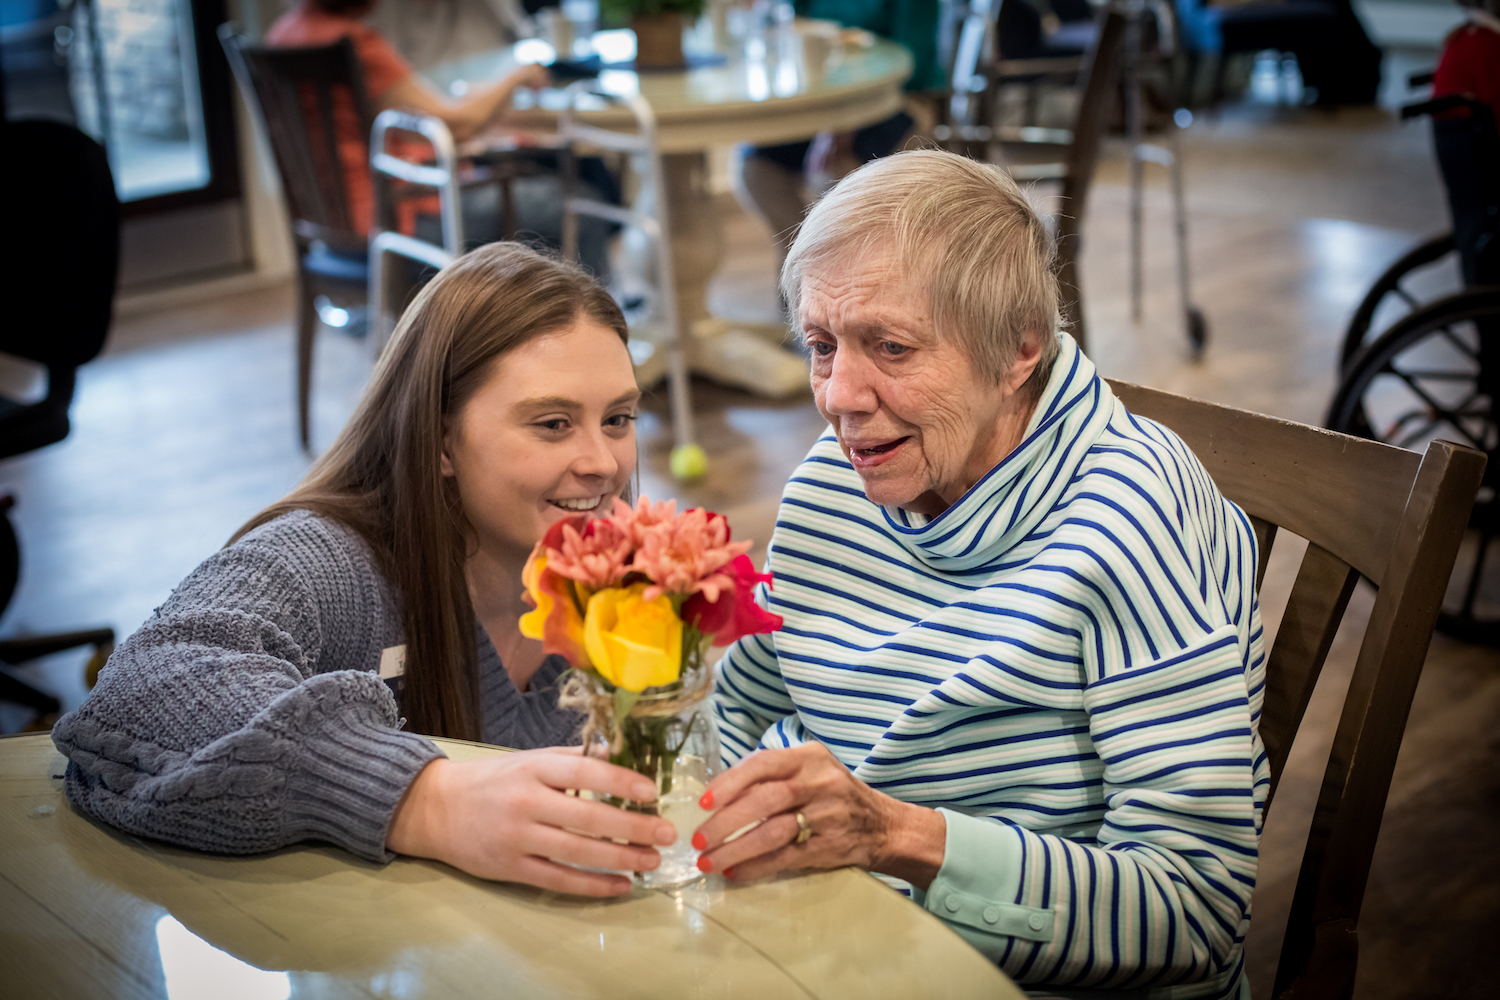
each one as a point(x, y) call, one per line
point(185, 428)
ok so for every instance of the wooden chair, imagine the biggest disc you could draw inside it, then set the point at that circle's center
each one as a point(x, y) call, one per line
point(1392, 516)
point(297, 91)
point(1030, 153)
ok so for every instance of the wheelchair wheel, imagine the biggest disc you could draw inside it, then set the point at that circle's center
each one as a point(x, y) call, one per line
point(1421, 380)
point(1391, 287)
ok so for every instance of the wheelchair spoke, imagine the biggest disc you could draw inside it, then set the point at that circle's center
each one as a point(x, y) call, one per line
point(1436, 376)
point(1456, 341)
point(1437, 412)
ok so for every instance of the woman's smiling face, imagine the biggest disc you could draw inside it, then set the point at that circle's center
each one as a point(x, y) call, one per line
point(914, 417)
point(550, 434)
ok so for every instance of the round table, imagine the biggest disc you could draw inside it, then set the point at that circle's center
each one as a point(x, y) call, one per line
point(88, 911)
point(764, 92)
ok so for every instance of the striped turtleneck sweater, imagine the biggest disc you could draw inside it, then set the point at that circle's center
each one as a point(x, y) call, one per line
point(1068, 662)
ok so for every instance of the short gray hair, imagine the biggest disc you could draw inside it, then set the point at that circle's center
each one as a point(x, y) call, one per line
point(964, 233)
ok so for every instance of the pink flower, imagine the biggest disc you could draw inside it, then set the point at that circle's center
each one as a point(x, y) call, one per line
point(684, 554)
point(635, 521)
point(595, 553)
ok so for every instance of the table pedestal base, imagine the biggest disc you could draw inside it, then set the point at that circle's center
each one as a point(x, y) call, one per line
point(747, 356)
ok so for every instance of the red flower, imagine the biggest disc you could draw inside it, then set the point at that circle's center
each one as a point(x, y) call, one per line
point(735, 613)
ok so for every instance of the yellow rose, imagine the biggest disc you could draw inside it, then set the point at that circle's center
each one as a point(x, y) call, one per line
point(633, 643)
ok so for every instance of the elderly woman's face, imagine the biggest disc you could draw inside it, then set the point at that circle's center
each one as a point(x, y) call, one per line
point(918, 423)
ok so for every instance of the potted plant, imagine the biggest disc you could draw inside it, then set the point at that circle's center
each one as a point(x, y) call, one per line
point(658, 28)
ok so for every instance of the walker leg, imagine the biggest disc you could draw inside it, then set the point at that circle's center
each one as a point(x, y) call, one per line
point(1197, 326)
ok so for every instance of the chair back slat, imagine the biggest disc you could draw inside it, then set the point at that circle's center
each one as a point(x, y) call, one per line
point(1368, 509)
point(1265, 537)
point(1313, 612)
point(1098, 79)
point(300, 94)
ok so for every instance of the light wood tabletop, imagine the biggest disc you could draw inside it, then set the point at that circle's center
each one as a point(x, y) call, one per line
point(763, 91)
point(759, 96)
point(88, 911)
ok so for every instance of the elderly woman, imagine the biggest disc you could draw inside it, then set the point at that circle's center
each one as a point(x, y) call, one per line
point(1022, 665)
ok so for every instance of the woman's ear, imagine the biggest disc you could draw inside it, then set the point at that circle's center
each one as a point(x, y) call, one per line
point(445, 460)
point(1025, 362)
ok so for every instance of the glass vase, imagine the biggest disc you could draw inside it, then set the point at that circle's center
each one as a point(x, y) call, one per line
point(683, 758)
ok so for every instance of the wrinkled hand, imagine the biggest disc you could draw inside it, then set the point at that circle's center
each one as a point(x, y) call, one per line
point(533, 75)
point(507, 818)
point(851, 823)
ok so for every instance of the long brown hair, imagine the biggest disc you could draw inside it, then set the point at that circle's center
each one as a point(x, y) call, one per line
point(382, 479)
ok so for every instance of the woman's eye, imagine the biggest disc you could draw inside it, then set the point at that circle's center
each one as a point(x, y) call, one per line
point(892, 349)
point(555, 424)
point(620, 420)
point(821, 348)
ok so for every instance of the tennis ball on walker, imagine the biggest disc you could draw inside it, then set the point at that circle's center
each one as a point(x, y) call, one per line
point(688, 462)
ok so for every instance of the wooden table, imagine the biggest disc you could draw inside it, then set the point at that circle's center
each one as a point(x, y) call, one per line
point(87, 911)
point(763, 93)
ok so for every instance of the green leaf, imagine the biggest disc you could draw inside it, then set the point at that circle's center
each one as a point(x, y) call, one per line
point(624, 702)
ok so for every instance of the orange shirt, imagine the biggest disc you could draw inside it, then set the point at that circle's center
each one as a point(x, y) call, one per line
point(383, 67)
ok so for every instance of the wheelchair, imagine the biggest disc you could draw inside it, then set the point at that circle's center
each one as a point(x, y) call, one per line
point(1415, 366)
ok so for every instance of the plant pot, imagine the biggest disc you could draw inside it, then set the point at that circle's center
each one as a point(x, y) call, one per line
point(658, 40)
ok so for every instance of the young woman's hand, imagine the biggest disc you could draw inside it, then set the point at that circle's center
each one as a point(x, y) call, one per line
point(507, 818)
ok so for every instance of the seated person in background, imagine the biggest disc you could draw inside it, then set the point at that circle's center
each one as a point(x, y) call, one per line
point(1022, 662)
point(390, 82)
point(1470, 66)
point(249, 712)
point(773, 181)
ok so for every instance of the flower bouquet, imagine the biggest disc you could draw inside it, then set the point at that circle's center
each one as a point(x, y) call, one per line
point(633, 601)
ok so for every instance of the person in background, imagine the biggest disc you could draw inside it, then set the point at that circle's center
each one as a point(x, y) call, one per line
point(1468, 155)
point(390, 82)
point(281, 693)
point(773, 181)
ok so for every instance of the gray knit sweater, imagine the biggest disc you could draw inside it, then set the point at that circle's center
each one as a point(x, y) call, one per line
point(247, 714)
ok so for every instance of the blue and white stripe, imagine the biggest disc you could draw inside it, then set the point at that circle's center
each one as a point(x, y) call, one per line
point(1069, 662)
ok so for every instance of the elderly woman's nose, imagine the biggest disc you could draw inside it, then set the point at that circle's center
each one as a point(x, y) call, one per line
point(849, 386)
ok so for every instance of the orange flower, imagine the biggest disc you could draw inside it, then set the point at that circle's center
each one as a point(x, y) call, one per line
point(555, 620)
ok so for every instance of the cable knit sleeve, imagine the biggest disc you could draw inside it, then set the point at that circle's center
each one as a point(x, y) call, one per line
point(245, 715)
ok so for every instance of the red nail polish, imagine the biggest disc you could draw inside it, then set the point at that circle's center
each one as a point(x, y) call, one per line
point(700, 842)
point(707, 801)
point(705, 865)
point(729, 872)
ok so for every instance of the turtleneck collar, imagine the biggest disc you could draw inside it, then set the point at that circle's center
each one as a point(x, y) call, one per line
point(1014, 496)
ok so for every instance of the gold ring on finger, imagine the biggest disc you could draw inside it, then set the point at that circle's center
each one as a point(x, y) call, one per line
point(804, 829)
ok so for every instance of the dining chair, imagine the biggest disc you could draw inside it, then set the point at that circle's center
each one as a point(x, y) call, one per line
point(299, 94)
point(1368, 510)
point(1032, 153)
point(302, 97)
point(69, 225)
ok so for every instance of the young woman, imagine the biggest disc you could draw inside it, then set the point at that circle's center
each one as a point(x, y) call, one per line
point(249, 712)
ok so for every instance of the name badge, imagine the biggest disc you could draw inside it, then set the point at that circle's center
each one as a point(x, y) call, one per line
point(392, 662)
